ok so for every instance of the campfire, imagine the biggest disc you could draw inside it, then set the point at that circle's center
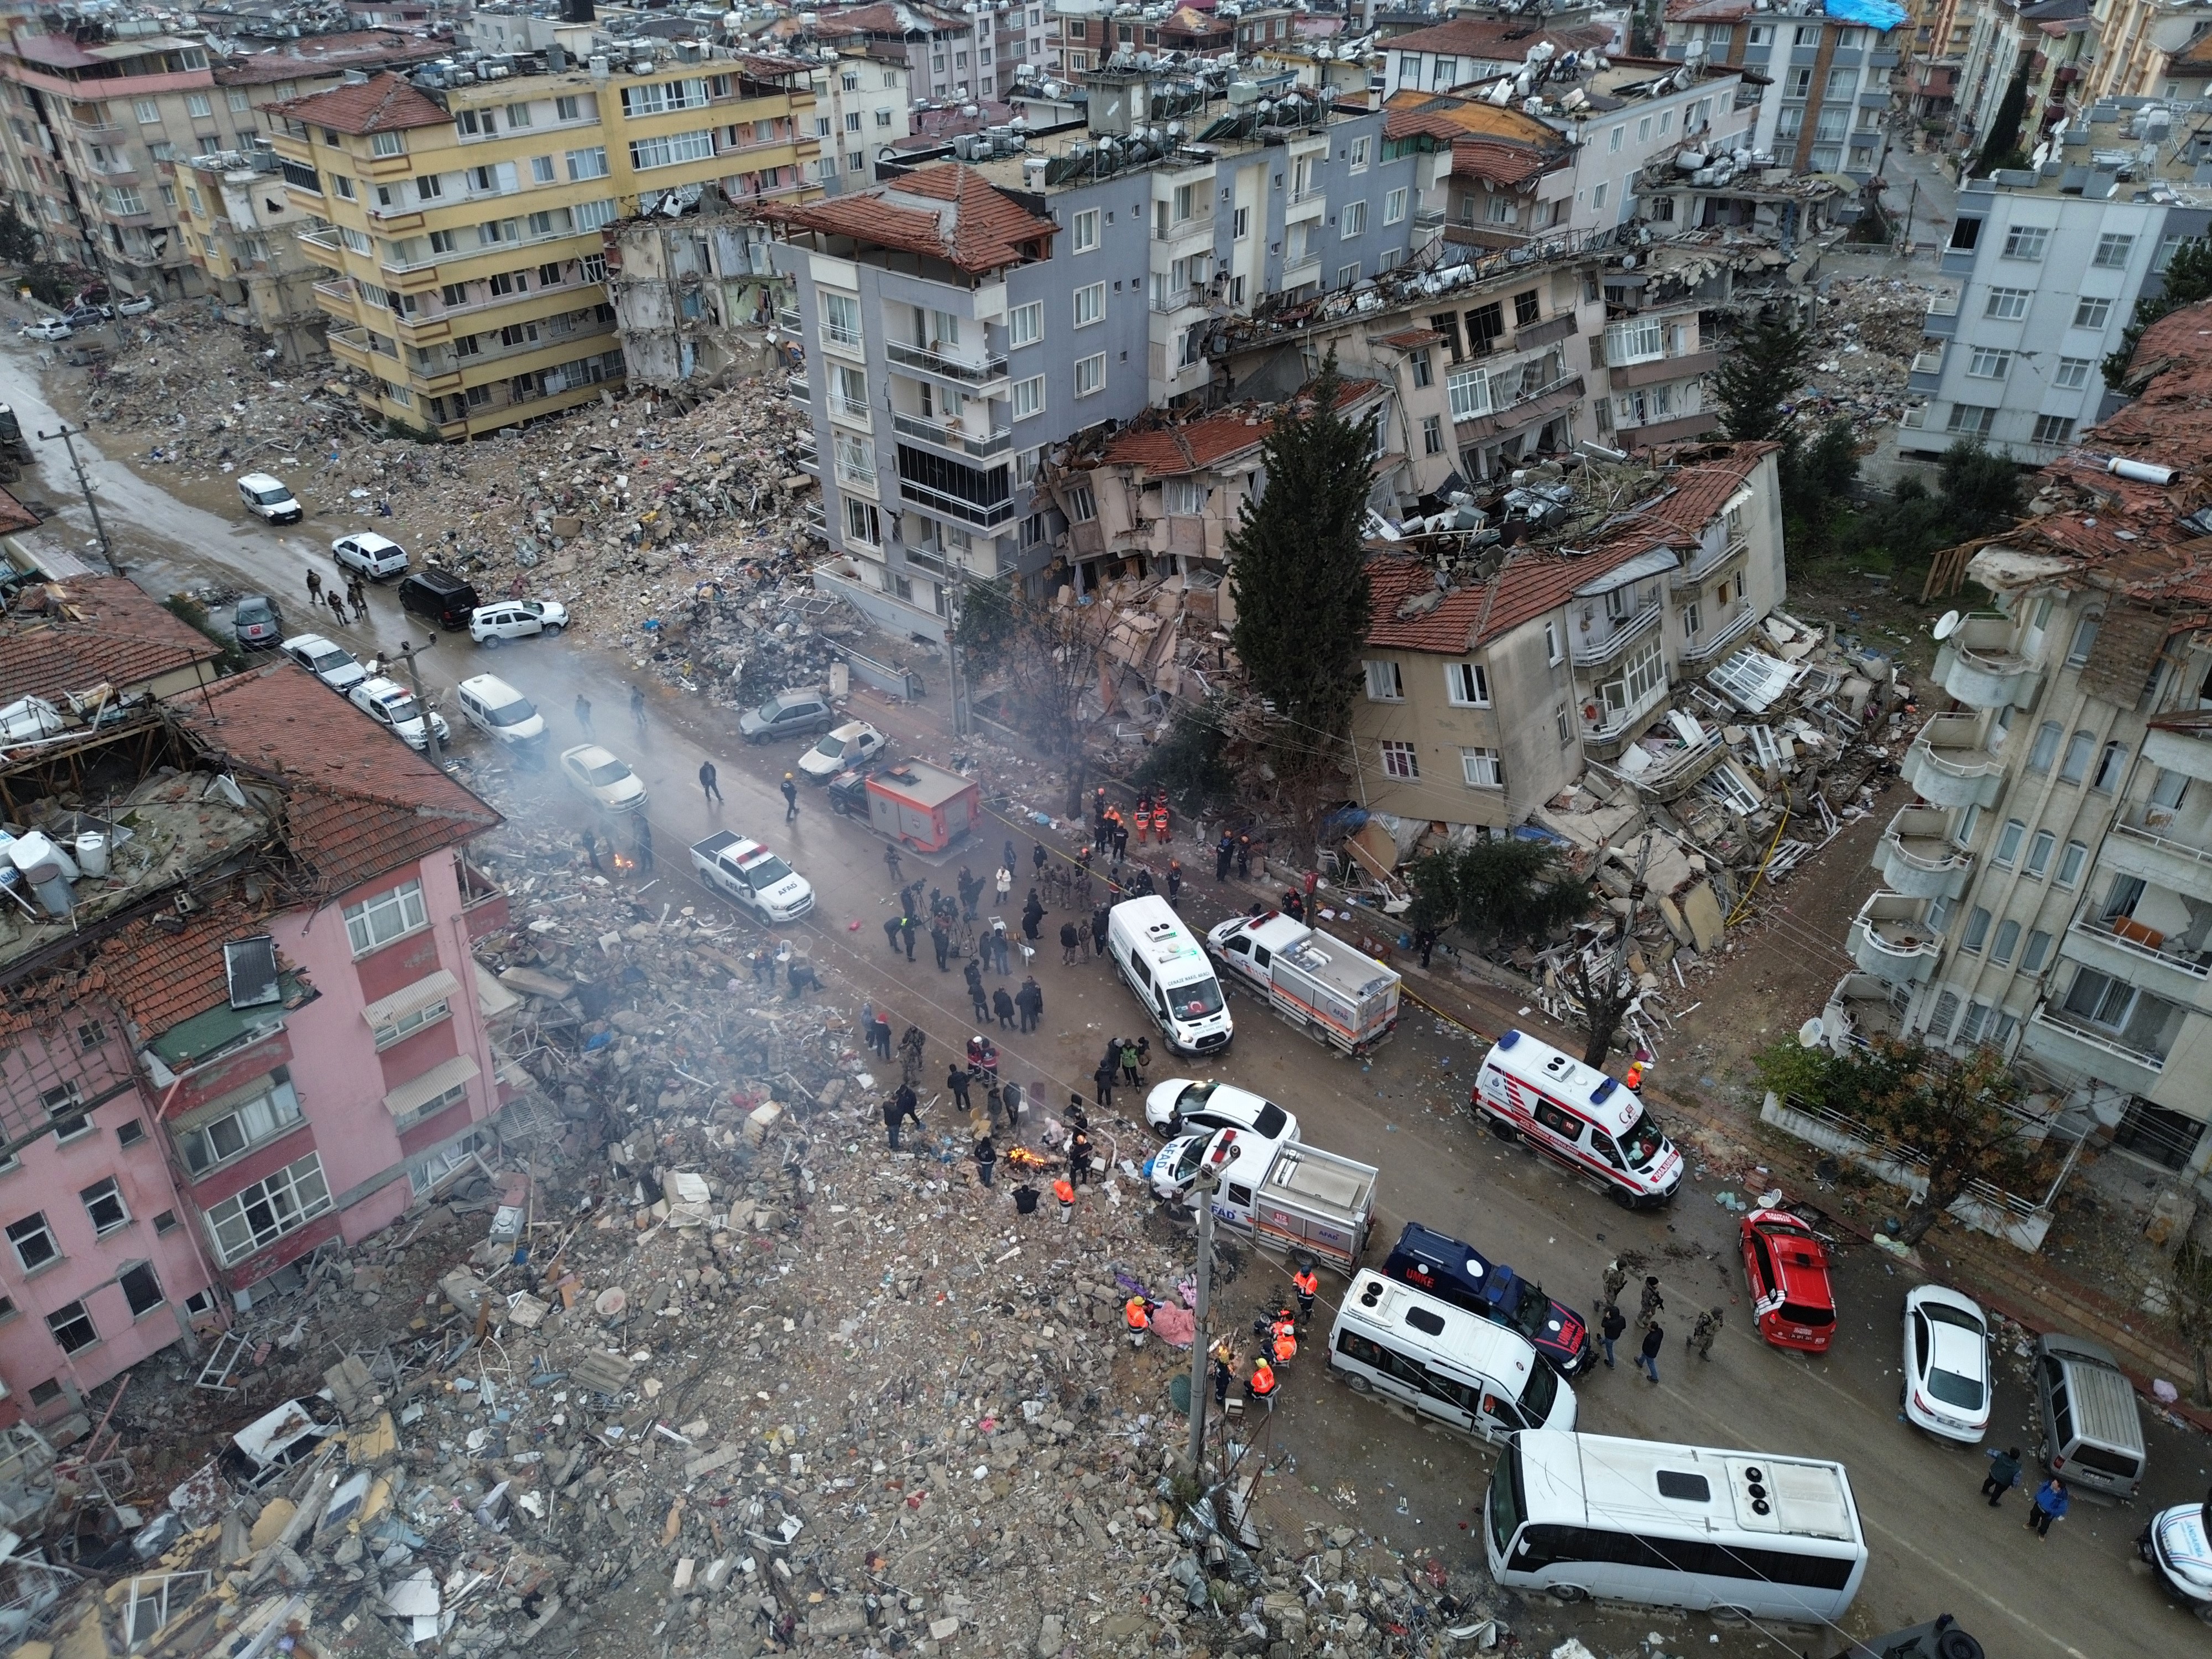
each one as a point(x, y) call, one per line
point(1021, 1157)
point(622, 863)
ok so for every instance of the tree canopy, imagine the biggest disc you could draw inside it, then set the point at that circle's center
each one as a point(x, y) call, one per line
point(1765, 369)
point(2186, 279)
point(1504, 886)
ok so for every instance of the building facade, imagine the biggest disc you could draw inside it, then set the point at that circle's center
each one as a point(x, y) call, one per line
point(860, 108)
point(697, 299)
point(240, 224)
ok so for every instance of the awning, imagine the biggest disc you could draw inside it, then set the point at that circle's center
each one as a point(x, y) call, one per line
point(412, 1096)
point(410, 998)
point(1648, 563)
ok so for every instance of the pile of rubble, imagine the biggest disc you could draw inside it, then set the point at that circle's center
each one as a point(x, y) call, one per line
point(1867, 332)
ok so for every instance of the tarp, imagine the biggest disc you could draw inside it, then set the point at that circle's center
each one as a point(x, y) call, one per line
point(1872, 13)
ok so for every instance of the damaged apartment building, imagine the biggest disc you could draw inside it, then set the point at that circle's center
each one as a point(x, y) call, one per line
point(697, 299)
point(2048, 892)
point(235, 931)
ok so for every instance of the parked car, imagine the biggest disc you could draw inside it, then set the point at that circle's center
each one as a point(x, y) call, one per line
point(854, 744)
point(266, 497)
point(1458, 1272)
point(2178, 1544)
point(391, 704)
point(440, 595)
point(847, 793)
point(47, 328)
point(138, 305)
point(257, 621)
point(606, 780)
point(1946, 1363)
point(334, 664)
point(373, 555)
point(2092, 1431)
point(787, 714)
point(1787, 1269)
point(752, 875)
point(87, 316)
point(1182, 1106)
point(517, 619)
point(503, 714)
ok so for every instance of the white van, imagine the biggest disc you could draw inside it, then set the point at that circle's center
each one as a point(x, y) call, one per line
point(1166, 968)
point(1444, 1362)
point(503, 714)
point(1576, 1116)
point(265, 497)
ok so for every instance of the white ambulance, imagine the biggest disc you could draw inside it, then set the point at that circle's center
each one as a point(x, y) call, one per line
point(1576, 1116)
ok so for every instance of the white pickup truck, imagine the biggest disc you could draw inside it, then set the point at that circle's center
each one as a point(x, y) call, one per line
point(1288, 1195)
point(752, 875)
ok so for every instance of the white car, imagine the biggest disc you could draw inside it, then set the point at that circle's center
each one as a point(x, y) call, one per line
point(266, 497)
point(503, 714)
point(1946, 1363)
point(391, 705)
point(2178, 1544)
point(334, 664)
point(136, 306)
point(754, 876)
point(607, 781)
point(1182, 1106)
point(517, 619)
point(47, 328)
point(373, 555)
point(854, 744)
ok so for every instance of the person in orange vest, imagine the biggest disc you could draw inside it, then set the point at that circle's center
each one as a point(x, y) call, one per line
point(1287, 1343)
point(1262, 1385)
point(1160, 820)
point(1066, 1194)
point(1137, 1317)
point(1307, 1283)
point(1142, 820)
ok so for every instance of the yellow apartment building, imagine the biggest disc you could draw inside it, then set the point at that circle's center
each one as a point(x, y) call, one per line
point(460, 213)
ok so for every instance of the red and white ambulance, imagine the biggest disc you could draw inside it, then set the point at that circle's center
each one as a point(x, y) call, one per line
point(1576, 1116)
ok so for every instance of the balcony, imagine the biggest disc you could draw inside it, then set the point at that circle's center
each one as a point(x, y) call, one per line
point(844, 409)
point(954, 437)
point(952, 506)
point(1926, 374)
point(351, 345)
point(787, 320)
point(2128, 951)
point(2134, 851)
point(1428, 219)
point(1179, 299)
point(1975, 665)
point(97, 132)
point(808, 458)
point(1595, 649)
point(2075, 1046)
point(1614, 725)
point(1948, 766)
point(1858, 1008)
point(1653, 370)
point(842, 343)
point(796, 388)
point(1917, 858)
point(966, 373)
point(324, 242)
point(1705, 561)
point(337, 298)
point(1942, 321)
point(2177, 748)
point(1890, 939)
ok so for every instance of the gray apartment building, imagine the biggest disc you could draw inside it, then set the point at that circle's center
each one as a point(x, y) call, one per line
point(2048, 893)
point(962, 317)
point(2051, 262)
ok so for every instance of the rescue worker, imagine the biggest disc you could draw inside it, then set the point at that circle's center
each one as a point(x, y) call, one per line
point(1262, 1387)
point(1223, 850)
point(1141, 819)
point(1307, 1283)
point(1284, 1340)
point(1137, 1319)
point(1065, 1193)
point(1160, 819)
point(1223, 1369)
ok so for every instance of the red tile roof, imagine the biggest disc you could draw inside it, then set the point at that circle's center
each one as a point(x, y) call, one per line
point(946, 211)
point(14, 516)
point(100, 629)
point(1411, 339)
point(1702, 486)
point(1501, 162)
point(886, 20)
point(361, 803)
point(161, 977)
point(383, 104)
point(1163, 451)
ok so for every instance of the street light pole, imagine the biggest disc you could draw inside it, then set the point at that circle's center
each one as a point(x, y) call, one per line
point(68, 436)
point(408, 648)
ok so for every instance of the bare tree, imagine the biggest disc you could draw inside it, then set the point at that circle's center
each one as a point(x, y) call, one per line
point(1604, 992)
point(2187, 1282)
point(1045, 658)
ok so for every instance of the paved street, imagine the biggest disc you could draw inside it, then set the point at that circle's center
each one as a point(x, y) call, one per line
point(1935, 1546)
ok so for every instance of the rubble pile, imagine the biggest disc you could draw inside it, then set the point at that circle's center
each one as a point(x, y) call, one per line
point(1868, 329)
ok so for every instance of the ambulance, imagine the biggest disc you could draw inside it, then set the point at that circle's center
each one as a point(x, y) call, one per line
point(1576, 1116)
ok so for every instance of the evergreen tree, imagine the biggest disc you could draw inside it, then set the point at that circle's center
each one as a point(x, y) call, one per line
point(2185, 280)
point(1981, 491)
point(1297, 569)
point(1763, 373)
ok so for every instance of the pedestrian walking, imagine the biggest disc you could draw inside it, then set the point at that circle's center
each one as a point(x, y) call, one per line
point(911, 1045)
point(985, 1156)
point(1174, 879)
point(1129, 1063)
point(1079, 1159)
point(645, 845)
point(1032, 914)
point(2051, 1505)
point(891, 862)
point(1610, 1329)
point(1121, 841)
point(2004, 1475)
point(970, 887)
point(584, 713)
point(1038, 858)
point(1425, 941)
point(637, 708)
point(941, 942)
point(1700, 1340)
point(1003, 1006)
point(1003, 884)
point(590, 843)
point(315, 588)
point(1071, 942)
point(1652, 1303)
point(956, 1080)
point(1654, 1340)
point(1030, 1000)
point(1103, 1081)
point(897, 1111)
point(357, 597)
point(1010, 1096)
point(1098, 922)
point(879, 1034)
point(790, 797)
point(1616, 1281)
point(337, 606)
point(979, 998)
point(710, 783)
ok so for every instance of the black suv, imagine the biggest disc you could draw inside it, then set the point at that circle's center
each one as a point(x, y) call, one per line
point(440, 595)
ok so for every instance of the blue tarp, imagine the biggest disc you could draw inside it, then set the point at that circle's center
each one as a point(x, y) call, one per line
point(1881, 14)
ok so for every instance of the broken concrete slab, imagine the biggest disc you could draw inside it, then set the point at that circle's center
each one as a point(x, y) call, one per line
point(1701, 910)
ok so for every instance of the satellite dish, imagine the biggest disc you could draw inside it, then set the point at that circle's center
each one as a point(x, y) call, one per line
point(1947, 624)
point(1810, 1033)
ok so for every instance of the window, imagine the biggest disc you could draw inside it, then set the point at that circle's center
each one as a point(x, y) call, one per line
point(1184, 496)
point(2026, 241)
point(1090, 304)
point(1433, 434)
point(569, 109)
point(407, 1024)
point(45, 1393)
point(2110, 763)
point(1346, 277)
point(518, 115)
point(1086, 231)
point(2054, 428)
point(1470, 389)
point(1466, 686)
point(1482, 767)
point(852, 121)
point(1352, 221)
point(1638, 341)
point(1393, 206)
point(166, 1223)
point(71, 1325)
point(1090, 376)
point(2072, 373)
point(34, 1244)
point(1399, 761)
point(131, 1133)
point(2039, 948)
point(2007, 941)
point(2085, 636)
point(669, 148)
point(2113, 250)
point(1966, 232)
point(1026, 325)
point(1598, 194)
point(2100, 1000)
point(1029, 397)
point(2076, 766)
point(861, 521)
point(2070, 862)
point(2046, 746)
point(1978, 927)
point(2092, 314)
point(1988, 365)
point(856, 460)
point(840, 318)
point(1385, 683)
point(149, 112)
point(387, 143)
point(588, 163)
point(266, 1211)
point(1613, 141)
point(376, 922)
point(218, 1135)
point(1563, 725)
point(2007, 846)
point(2008, 304)
point(63, 1109)
point(1552, 653)
point(1082, 508)
point(103, 1202)
point(1973, 420)
point(1360, 151)
point(2039, 852)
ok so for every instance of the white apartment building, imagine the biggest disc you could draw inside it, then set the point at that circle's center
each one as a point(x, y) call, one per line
point(860, 109)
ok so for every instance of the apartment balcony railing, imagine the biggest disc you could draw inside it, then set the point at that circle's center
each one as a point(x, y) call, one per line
point(1891, 940)
point(2182, 747)
point(1915, 417)
point(796, 388)
point(952, 506)
point(327, 241)
point(340, 295)
point(844, 409)
point(2075, 1046)
point(97, 132)
point(1948, 766)
point(809, 457)
point(944, 367)
point(1928, 360)
point(1588, 652)
point(1429, 218)
point(1706, 561)
point(2134, 851)
point(952, 436)
point(787, 318)
point(1604, 735)
point(2139, 956)
point(1917, 858)
point(1180, 298)
point(842, 343)
point(1975, 667)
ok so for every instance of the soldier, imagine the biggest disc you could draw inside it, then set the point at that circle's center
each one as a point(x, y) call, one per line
point(1647, 1313)
point(1703, 1333)
point(1616, 1280)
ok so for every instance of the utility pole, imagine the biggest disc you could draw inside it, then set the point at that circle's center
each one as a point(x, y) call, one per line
point(1208, 1182)
point(68, 435)
point(407, 649)
point(961, 721)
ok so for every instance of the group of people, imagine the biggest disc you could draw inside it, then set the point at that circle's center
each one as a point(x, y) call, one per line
point(1275, 1339)
point(1612, 1324)
point(1125, 1060)
point(354, 599)
point(2047, 1503)
point(1111, 828)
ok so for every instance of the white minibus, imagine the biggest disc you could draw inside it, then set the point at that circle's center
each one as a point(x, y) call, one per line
point(1587, 1514)
point(1576, 1116)
point(1444, 1362)
point(1166, 968)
